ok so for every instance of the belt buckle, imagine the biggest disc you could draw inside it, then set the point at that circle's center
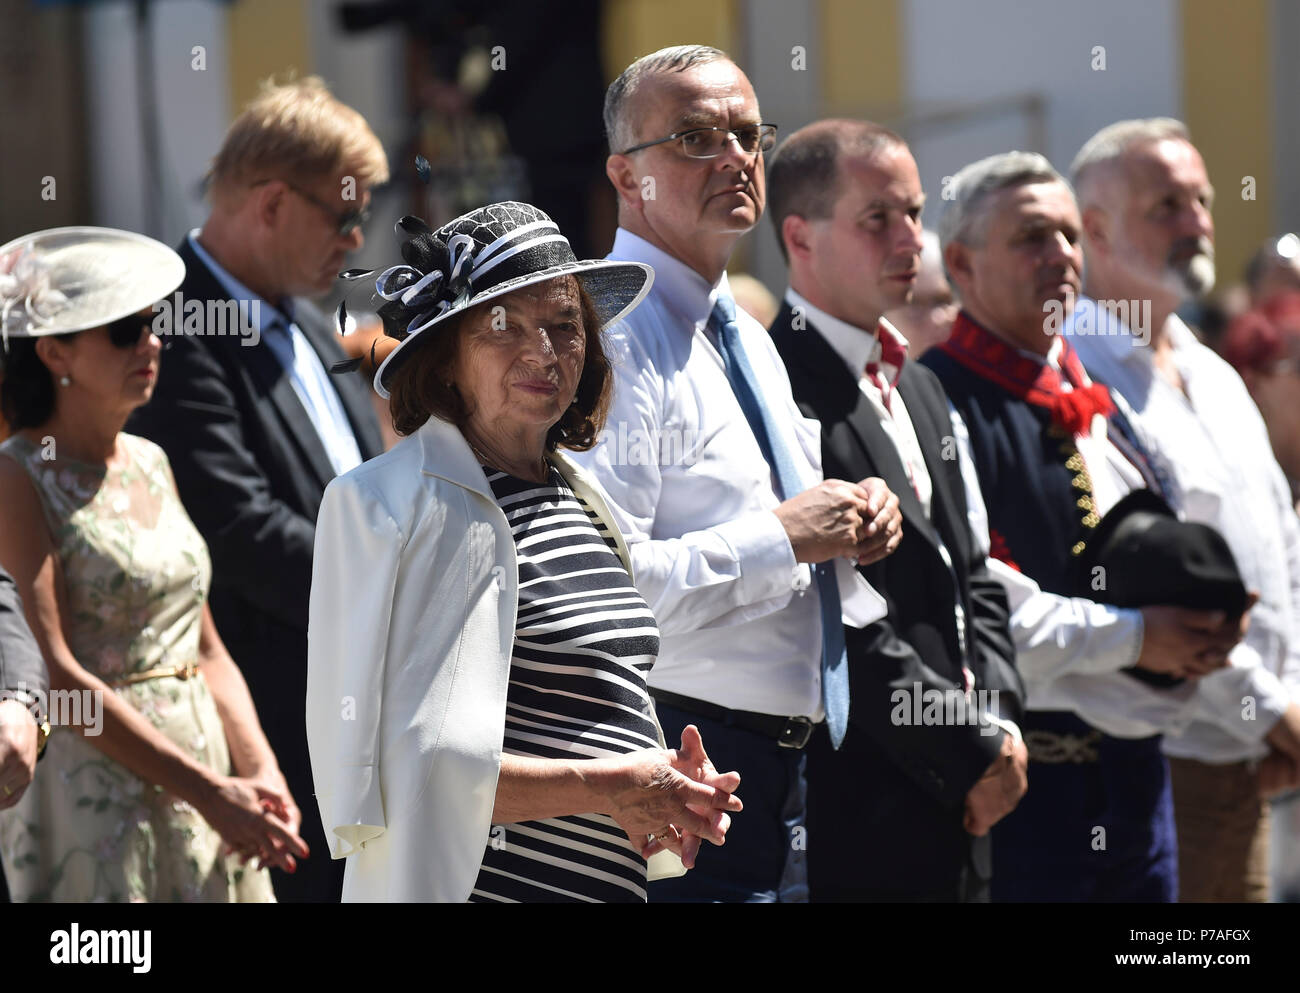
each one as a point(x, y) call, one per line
point(796, 732)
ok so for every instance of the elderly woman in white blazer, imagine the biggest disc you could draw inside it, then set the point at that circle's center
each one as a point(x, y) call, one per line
point(476, 705)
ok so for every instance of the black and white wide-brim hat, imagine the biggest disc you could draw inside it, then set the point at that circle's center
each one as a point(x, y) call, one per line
point(482, 255)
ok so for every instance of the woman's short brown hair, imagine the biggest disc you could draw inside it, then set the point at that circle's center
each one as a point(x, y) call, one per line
point(419, 389)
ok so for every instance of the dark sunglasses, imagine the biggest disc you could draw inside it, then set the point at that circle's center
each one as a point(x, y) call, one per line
point(345, 221)
point(125, 331)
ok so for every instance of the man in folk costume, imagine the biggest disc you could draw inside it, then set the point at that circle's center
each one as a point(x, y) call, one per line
point(1053, 452)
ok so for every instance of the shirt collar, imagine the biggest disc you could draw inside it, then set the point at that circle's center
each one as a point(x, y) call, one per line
point(1114, 336)
point(676, 285)
point(1181, 337)
point(856, 346)
point(1053, 356)
point(1108, 337)
point(267, 313)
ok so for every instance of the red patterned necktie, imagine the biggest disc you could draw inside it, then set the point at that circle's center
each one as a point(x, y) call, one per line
point(888, 352)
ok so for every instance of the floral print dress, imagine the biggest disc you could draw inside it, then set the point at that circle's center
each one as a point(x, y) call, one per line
point(136, 573)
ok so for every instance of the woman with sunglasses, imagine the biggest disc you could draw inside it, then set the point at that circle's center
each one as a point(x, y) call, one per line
point(157, 782)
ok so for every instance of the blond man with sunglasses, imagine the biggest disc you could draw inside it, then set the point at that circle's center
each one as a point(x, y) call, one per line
point(245, 407)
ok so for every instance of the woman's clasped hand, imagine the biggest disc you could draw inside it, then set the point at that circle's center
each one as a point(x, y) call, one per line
point(668, 798)
point(257, 820)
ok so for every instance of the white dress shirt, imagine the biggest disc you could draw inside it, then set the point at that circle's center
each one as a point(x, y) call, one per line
point(307, 374)
point(1070, 650)
point(1216, 446)
point(739, 618)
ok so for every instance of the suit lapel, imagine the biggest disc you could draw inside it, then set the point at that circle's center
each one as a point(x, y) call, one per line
point(933, 434)
point(866, 423)
point(931, 437)
point(834, 396)
point(279, 387)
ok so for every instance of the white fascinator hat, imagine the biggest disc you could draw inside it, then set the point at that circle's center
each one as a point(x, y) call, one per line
point(71, 279)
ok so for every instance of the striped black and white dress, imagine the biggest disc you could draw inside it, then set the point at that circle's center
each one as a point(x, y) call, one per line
point(584, 643)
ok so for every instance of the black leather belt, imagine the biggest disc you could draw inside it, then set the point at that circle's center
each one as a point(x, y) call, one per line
point(788, 732)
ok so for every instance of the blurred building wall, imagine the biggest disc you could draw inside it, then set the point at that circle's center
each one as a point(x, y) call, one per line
point(41, 105)
point(960, 79)
point(191, 95)
point(209, 59)
point(963, 80)
point(1227, 82)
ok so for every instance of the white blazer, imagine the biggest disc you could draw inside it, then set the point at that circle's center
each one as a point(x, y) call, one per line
point(412, 626)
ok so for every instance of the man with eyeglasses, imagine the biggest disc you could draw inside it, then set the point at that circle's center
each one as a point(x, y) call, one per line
point(715, 478)
point(252, 422)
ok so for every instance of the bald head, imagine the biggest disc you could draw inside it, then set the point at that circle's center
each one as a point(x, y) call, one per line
point(804, 178)
point(1097, 171)
point(1145, 199)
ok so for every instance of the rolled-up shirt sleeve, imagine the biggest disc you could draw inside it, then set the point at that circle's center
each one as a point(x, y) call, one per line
point(1071, 651)
point(1243, 699)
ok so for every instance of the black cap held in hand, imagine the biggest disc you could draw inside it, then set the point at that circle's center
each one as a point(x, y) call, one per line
point(1150, 558)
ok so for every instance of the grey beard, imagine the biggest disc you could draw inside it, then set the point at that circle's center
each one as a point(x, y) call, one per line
point(1194, 278)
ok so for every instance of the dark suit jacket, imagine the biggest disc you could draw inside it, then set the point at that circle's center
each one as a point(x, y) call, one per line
point(21, 663)
point(885, 811)
point(251, 470)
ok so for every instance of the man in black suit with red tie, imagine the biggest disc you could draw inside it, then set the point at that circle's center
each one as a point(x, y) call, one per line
point(251, 420)
point(932, 748)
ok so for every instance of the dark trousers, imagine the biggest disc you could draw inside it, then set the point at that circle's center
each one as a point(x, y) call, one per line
point(1099, 830)
point(875, 837)
point(318, 879)
point(273, 659)
point(763, 859)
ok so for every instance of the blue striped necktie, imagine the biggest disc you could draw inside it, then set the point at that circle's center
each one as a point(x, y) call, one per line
point(835, 669)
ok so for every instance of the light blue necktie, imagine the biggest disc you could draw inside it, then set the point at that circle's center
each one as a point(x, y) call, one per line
point(835, 669)
point(315, 391)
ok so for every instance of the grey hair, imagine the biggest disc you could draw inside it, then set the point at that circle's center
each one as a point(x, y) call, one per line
point(1114, 140)
point(967, 195)
point(621, 132)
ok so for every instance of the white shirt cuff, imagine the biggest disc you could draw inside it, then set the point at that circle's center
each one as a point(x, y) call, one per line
point(767, 564)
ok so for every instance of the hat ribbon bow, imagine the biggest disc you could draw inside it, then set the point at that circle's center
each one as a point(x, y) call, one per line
point(434, 292)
